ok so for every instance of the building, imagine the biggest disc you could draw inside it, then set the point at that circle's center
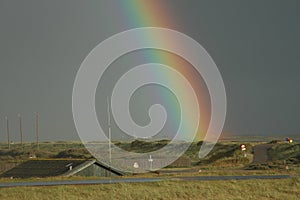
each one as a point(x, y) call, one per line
point(61, 167)
point(181, 162)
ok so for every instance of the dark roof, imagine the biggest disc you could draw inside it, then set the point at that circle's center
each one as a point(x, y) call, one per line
point(42, 168)
point(86, 164)
point(55, 167)
point(113, 170)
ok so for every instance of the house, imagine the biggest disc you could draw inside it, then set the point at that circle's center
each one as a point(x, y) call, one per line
point(181, 162)
point(61, 167)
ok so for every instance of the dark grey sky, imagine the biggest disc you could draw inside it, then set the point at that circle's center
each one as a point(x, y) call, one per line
point(254, 43)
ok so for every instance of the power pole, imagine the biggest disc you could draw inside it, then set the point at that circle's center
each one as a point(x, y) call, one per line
point(109, 130)
point(7, 131)
point(109, 136)
point(37, 129)
point(21, 131)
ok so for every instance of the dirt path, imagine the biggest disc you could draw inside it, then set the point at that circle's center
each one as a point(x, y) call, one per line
point(260, 153)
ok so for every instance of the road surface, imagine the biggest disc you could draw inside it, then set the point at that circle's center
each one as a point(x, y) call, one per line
point(140, 180)
point(261, 153)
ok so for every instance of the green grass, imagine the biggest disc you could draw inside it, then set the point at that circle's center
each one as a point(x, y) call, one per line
point(225, 155)
point(225, 159)
point(285, 151)
point(281, 155)
point(242, 189)
point(227, 152)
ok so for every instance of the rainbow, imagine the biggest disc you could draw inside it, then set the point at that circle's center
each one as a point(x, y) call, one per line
point(156, 14)
point(145, 13)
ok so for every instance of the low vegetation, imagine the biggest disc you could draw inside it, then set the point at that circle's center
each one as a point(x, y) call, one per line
point(226, 158)
point(228, 155)
point(288, 152)
point(242, 189)
point(282, 156)
point(225, 155)
point(77, 150)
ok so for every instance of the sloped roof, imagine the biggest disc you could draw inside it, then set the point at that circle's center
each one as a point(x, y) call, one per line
point(52, 167)
point(86, 164)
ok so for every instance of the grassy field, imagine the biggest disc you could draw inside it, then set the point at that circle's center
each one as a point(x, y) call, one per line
point(242, 189)
point(285, 151)
point(224, 153)
point(225, 159)
point(224, 156)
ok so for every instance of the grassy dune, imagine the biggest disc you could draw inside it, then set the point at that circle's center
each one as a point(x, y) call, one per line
point(225, 159)
point(242, 189)
point(288, 152)
point(230, 151)
point(225, 155)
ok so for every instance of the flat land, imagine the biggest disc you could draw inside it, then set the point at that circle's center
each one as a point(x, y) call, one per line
point(242, 189)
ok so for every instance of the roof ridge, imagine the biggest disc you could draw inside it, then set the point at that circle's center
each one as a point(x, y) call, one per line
point(78, 168)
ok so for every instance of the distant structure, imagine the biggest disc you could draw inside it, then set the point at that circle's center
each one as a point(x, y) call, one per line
point(289, 140)
point(61, 167)
point(181, 162)
point(21, 129)
point(37, 129)
point(7, 131)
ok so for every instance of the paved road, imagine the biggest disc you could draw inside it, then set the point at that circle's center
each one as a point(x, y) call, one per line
point(261, 153)
point(140, 180)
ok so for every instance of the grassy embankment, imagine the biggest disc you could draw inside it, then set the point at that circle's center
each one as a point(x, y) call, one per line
point(226, 158)
point(223, 155)
point(281, 155)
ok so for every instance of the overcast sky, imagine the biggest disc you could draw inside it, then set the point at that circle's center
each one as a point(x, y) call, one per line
point(254, 43)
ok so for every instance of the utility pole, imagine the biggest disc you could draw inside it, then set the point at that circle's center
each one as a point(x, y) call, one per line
point(109, 130)
point(21, 131)
point(37, 129)
point(7, 131)
point(109, 136)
